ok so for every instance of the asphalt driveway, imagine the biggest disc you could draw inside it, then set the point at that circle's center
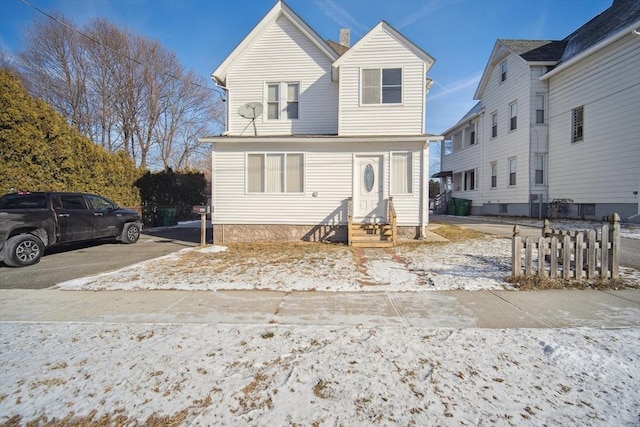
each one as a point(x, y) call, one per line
point(77, 260)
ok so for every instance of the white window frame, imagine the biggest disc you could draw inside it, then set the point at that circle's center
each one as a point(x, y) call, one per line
point(513, 118)
point(540, 107)
point(283, 172)
point(494, 124)
point(513, 164)
point(577, 124)
point(381, 87)
point(283, 100)
point(473, 182)
point(408, 177)
point(504, 69)
point(540, 160)
point(493, 183)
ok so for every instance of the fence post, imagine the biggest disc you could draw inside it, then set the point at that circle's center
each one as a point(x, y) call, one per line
point(516, 252)
point(546, 229)
point(553, 259)
point(566, 257)
point(615, 246)
point(579, 255)
point(591, 254)
point(528, 256)
point(604, 254)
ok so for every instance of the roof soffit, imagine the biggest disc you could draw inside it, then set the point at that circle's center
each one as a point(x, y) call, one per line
point(280, 9)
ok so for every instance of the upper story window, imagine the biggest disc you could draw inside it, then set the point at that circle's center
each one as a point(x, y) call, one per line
point(283, 100)
point(381, 86)
point(577, 124)
point(513, 116)
point(540, 109)
point(503, 71)
point(494, 125)
point(539, 178)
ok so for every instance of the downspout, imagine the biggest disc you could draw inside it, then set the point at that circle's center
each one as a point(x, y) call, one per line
point(424, 193)
point(226, 107)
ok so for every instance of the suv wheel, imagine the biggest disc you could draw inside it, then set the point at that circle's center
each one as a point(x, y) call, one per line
point(23, 250)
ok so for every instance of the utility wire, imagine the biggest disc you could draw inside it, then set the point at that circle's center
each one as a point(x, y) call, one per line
point(116, 51)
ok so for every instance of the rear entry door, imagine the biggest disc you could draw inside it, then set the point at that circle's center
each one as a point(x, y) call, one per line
point(75, 220)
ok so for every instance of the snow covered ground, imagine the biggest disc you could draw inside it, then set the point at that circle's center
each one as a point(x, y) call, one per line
point(270, 375)
point(316, 375)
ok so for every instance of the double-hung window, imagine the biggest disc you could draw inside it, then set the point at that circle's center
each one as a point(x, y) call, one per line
point(469, 180)
point(401, 173)
point(283, 100)
point(494, 125)
point(503, 71)
point(513, 168)
point(539, 109)
point(513, 116)
point(275, 173)
point(577, 124)
point(539, 178)
point(494, 174)
point(381, 86)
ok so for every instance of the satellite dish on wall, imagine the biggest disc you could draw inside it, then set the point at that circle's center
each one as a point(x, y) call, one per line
point(250, 110)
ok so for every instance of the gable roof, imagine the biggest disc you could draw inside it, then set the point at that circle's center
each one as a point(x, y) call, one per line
point(539, 52)
point(280, 9)
point(340, 49)
point(384, 26)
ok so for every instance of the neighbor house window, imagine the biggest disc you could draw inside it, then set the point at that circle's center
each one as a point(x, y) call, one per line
point(513, 167)
point(381, 86)
point(503, 71)
point(275, 173)
point(283, 100)
point(513, 116)
point(401, 173)
point(539, 169)
point(494, 174)
point(539, 109)
point(469, 180)
point(494, 125)
point(577, 124)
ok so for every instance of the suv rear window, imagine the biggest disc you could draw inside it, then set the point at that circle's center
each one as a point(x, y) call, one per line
point(23, 201)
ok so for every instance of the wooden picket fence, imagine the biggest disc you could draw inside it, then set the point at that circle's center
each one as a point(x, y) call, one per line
point(568, 254)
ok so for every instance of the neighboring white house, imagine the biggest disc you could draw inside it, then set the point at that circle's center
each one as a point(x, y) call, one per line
point(337, 129)
point(556, 130)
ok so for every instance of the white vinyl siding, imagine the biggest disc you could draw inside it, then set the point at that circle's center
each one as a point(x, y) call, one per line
point(283, 54)
point(357, 115)
point(328, 173)
point(603, 168)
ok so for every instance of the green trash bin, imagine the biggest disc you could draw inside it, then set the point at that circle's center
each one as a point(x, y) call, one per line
point(452, 206)
point(166, 216)
point(464, 207)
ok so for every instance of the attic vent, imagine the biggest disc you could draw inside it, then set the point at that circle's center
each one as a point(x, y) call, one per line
point(345, 37)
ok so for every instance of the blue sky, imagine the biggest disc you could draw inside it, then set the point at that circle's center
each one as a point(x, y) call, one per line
point(459, 34)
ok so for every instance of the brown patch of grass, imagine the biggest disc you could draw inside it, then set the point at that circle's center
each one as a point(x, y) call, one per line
point(536, 282)
point(320, 390)
point(454, 233)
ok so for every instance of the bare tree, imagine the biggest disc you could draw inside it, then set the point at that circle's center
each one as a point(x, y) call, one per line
point(122, 90)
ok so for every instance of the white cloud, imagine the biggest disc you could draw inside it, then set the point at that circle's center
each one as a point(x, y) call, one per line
point(430, 8)
point(341, 17)
point(457, 86)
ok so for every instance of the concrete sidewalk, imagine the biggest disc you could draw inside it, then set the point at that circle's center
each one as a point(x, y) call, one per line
point(449, 309)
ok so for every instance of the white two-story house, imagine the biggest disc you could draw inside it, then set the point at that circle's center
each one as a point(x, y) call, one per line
point(556, 131)
point(319, 132)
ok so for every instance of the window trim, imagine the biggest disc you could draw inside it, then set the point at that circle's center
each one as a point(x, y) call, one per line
point(544, 109)
point(494, 125)
point(493, 183)
point(381, 87)
point(410, 174)
point(283, 100)
point(513, 119)
point(535, 169)
point(504, 70)
point(515, 174)
point(285, 155)
point(577, 128)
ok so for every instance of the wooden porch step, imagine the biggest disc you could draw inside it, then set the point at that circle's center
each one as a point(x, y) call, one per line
point(372, 236)
point(372, 244)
